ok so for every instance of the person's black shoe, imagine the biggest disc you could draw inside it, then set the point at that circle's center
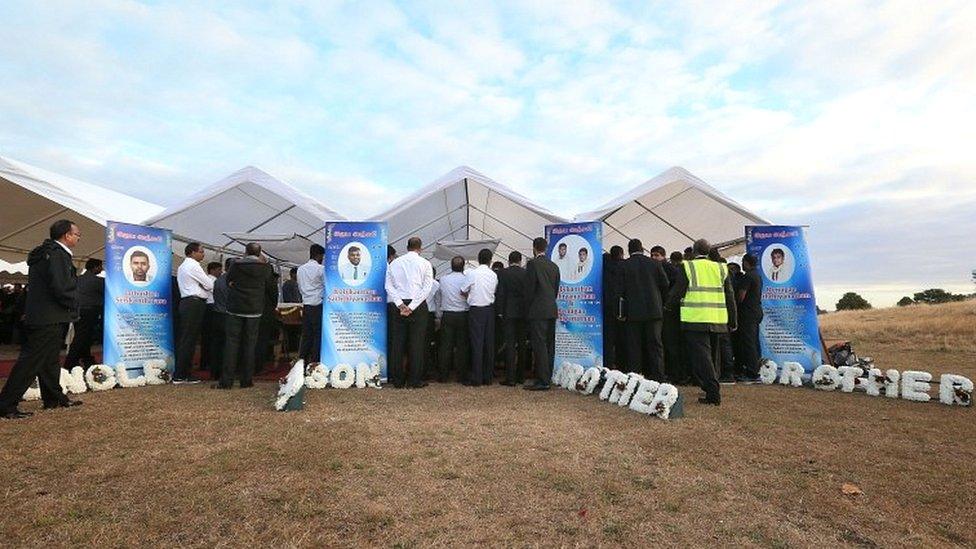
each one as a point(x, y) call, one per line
point(706, 400)
point(398, 385)
point(247, 385)
point(219, 386)
point(186, 380)
point(15, 414)
point(419, 385)
point(747, 380)
point(508, 383)
point(65, 404)
point(537, 387)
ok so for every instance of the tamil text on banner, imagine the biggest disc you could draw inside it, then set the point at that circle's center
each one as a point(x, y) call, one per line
point(576, 248)
point(789, 330)
point(138, 314)
point(354, 311)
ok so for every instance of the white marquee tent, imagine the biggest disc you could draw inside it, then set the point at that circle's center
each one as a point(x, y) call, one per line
point(464, 206)
point(248, 201)
point(674, 209)
point(33, 198)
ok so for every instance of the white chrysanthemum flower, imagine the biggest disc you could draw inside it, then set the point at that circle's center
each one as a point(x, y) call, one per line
point(291, 385)
point(767, 371)
point(588, 381)
point(641, 401)
point(155, 372)
point(342, 376)
point(848, 377)
point(792, 374)
point(613, 377)
point(77, 385)
point(825, 378)
point(374, 376)
point(317, 376)
point(664, 399)
point(33, 392)
point(915, 386)
point(122, 376)
point(100, 377)
point(955, 390)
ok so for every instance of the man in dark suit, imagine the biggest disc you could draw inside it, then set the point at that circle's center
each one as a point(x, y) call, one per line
point(51, 304)
point(675, 355)
point(645, 291)
point(510, 303)
point(251, 286)
point(91, 297)
point(541, 289)
point(614, 341)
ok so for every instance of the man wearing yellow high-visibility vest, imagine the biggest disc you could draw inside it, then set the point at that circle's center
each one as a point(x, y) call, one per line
point(703, 293)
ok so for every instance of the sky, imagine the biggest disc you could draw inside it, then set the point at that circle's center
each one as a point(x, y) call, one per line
point(857, 119)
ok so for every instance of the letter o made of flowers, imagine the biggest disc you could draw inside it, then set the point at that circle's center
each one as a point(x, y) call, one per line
point(100, 377)
point(343, 376)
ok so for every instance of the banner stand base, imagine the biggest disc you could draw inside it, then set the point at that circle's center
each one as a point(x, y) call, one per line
point(678, 408)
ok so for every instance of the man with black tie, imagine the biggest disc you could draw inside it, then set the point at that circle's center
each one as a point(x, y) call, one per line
point(251, 288)
point(541, 289)
point(645, 291)
point(91, 298)
point(510, 303)
point(480, 290)
point(51, 304)
point(409, 280)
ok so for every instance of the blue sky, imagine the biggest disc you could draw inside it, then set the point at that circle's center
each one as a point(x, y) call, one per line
point(857, 119)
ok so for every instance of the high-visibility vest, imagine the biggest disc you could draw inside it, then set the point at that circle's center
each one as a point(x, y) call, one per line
point(704, 301)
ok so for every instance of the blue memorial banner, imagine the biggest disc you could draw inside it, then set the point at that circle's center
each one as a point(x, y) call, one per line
point(576, 248)
point(138, 314)
point(789, 330)
point(354, 311)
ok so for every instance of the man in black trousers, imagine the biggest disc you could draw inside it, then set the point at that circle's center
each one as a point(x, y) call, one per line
point(614, 340)
point(51, 304)
point(749, 300)
point(480, 288)
point(541, 289)
point(453, 353)
point(510, 303)
point(195, 288)
point(251, 286)
point(645, 290)
point(91, 298)
point(409, 280)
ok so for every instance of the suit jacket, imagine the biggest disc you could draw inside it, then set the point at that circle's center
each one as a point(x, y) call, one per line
point(91, 291)
point(645, 288)
point(613, 286)
point(52, 294)
point(541, 288)
point(510, 296)
point(251, 287)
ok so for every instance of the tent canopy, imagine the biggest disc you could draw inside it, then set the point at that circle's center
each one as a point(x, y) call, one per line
point(464, 205)
point(674, 209)
point(34, 198)
point(248, 201)
point(290, 249)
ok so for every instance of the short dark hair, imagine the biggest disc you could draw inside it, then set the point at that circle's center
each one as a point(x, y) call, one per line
point(252, 248)
point(213, 266)
point(191, 248)
point(561, 245)
point(702, 247)
point(93, 263)
point(414, 243)
point(779, 252)
point(293, 271)
point(659, 250)
point(749, 260)
point(635, 245)
point(733, 266)
point(497, 266)
point(315, 250)
point(228, 262)
point(390, 251)
point(616, 252)
point(539, 244)
point(137, 253)
point(457, 264)
point(714, 254)
point(676, 257)
point(60, 228)
point(514, 257)
point(353, 249)
point(584, 251)
point(484, 256)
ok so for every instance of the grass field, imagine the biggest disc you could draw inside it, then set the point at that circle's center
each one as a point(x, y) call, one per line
point(452, 465)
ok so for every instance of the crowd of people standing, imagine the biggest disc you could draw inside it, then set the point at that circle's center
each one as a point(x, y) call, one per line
point(682, 318)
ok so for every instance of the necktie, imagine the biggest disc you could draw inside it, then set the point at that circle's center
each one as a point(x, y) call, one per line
point(355, 272)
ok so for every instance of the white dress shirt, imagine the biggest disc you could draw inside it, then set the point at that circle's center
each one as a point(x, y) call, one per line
point(434, 299)
point(409, 277)
point(66, 248)
point(210, 299)
point(192, 280)
point(350, 272)
point(311, 282)
point(452, 285)
point(481, 285)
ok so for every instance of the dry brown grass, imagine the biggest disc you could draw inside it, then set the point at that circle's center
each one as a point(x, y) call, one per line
point(951, 326)
point(450, 465)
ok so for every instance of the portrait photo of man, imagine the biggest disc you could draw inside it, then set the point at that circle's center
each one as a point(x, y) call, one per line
point(355, 268)
point(140, 269)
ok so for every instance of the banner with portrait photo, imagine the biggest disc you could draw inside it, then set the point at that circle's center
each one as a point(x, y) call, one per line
point(790, 330)
point(576, 248)
point(138, 315)
point(354, 304)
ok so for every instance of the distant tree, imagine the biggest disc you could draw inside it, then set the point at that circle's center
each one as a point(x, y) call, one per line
point(937, 295)
point(905, 301)
point(852, 302)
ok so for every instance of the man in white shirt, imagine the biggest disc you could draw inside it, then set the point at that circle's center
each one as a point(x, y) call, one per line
point(195, 289)
point(409, 281)
point(480, 291)
point(562, 261)
point(311, 284)
point(453, 345)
